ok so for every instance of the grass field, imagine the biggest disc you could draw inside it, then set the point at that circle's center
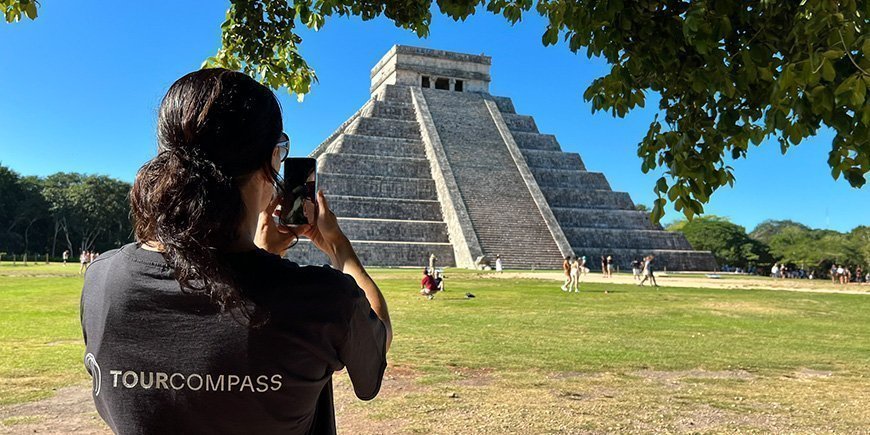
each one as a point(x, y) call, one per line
point(525, 357)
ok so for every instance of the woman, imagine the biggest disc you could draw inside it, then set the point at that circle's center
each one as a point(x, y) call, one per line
point(575, 277)
point(201, 326)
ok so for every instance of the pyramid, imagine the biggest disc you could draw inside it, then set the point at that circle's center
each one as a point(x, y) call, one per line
point(434, 164)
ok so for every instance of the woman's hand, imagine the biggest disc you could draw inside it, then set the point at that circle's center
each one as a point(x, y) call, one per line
point(272, 236)
point(326, 235)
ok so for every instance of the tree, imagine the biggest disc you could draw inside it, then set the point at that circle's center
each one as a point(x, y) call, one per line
point(794, 243)
point(860, 237)
point(730, 73)
point(728, 242)
point(769, 228)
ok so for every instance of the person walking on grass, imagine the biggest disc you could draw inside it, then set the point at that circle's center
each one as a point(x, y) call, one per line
point(566, 269)
point(65, 256)
point(575, 277)
point(498, 265)
point(648, 271)
point(636, 269)
point(83, 261)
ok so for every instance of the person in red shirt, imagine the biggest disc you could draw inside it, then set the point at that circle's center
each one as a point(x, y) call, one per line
point(429, 285)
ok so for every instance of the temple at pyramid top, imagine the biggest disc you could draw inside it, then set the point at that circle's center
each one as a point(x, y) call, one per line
point(433, 163)
point(435, 69)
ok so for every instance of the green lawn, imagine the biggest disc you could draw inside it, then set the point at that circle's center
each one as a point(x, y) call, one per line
point(517, 330)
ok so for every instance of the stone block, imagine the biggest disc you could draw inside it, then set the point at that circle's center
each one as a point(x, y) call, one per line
point(553, 160)
point(375, 186)
point(536, 141)
point(362, 164)
point(394, 230)
point(386, 127)
point(380, 146)
point(586, 198)
point(571, 178)
point(522, 123)
point(379, 254)
point(384, 208)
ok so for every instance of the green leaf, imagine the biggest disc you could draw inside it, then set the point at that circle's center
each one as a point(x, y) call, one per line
point(30, 10)
point(828, 72)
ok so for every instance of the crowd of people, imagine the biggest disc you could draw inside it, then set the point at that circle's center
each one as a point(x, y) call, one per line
point(85, 259)
point(842, 274)
point(575, 267)
point(839, 273)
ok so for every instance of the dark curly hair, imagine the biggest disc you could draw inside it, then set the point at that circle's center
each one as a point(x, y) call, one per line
point(216, 128)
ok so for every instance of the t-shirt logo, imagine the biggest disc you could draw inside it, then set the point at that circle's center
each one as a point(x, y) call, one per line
point(94, 370)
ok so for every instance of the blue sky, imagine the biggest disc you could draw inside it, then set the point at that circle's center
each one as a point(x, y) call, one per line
point(80, 86)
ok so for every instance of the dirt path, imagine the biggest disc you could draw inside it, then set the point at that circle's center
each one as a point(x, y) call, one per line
point(485, 402)
point(725, 282)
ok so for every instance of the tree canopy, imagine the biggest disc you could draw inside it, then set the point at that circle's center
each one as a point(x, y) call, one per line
point(729, 73)
point(63, 210)
point(771, 241)
point(728, 241)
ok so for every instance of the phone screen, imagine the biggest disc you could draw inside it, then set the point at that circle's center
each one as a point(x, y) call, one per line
point(300, 188)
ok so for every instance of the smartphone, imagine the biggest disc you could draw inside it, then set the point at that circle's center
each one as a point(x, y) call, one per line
point(299, 205)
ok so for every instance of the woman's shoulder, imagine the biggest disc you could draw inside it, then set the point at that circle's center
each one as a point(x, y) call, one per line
point(283, 274)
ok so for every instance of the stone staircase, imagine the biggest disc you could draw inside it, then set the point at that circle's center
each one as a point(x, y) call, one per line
point(501, 209)
point(596, 220)
point(378, 182)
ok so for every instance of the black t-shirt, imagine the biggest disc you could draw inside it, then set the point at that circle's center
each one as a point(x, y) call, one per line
point(165, 361)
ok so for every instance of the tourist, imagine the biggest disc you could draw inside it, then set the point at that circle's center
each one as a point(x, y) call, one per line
point(774, 270)
point(841, 274)
point(648, 271)
point(566, 269)
point(575, 277)
point(429, 286)
point(498, 265)
point(201, 325)
point(83, 260)
point(432, 259)
point(834, 277)
point(636, 268)
point(610, 266)
point(65, 256)
point(604, 266)
point(583, 269)
point(859, 274)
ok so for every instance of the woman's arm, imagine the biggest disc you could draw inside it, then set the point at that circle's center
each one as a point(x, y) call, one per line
point(329, 238)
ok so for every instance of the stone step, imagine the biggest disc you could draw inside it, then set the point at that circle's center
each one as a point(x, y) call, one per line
point(623, 238)
point(393, 110)
point(380, 254)
point(384, 208)
point(670, 259)
point(360, 164)
point(394, 230)
point(504, 104)
point(522, 123)
point(553, 159)
point(536, 141)
point(586, 198)
point(603, 218)
point(381, 146)
point(398, 94)
point(377, 186)
point(570, 178)
point(386, 128)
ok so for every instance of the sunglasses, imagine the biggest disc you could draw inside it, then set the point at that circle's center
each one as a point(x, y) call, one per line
point(284, 146)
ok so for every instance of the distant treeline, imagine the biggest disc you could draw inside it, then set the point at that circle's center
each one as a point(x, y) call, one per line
point(788, 242)
point(63, 211)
